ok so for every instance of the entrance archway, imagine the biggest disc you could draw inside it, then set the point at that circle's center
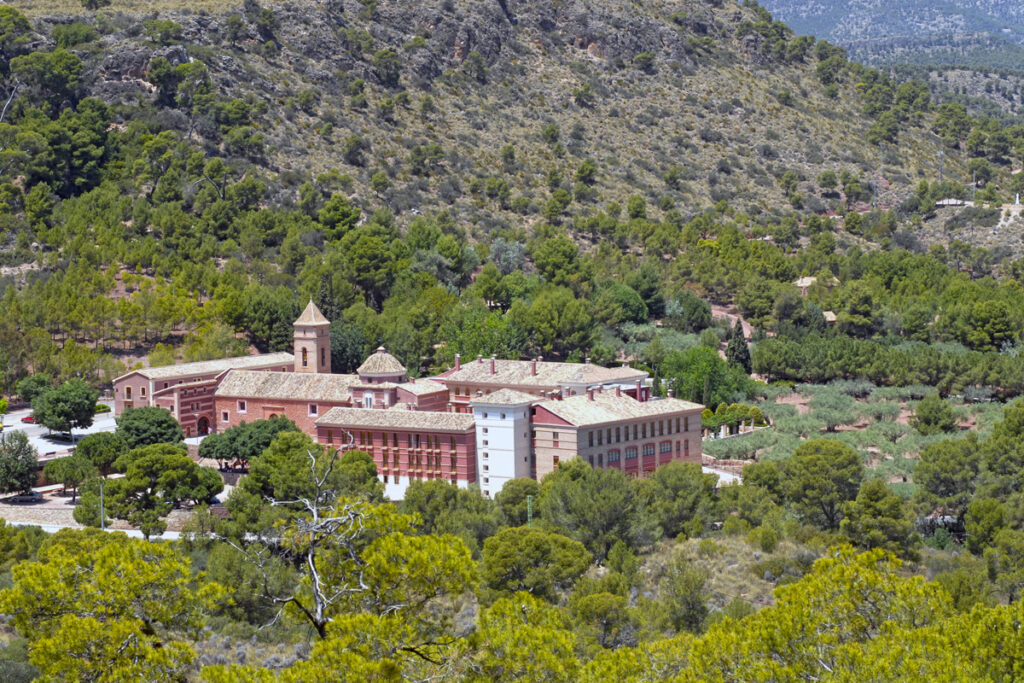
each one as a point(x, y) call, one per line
point(203, 426)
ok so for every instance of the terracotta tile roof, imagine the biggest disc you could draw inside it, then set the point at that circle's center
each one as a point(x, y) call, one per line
point(422, 386)
point(311, 316)
point(207, 367)
point(397, 419)
point(381, 363)
point(581, 411)
point(512, 373)
point(287, 386)
point(504, 397)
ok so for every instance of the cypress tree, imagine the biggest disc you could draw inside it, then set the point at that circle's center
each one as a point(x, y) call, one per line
point(736, 351)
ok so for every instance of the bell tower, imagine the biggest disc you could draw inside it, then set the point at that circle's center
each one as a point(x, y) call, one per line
point(312, 341)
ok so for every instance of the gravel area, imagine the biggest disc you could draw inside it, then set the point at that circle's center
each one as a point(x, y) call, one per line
point(55, 509)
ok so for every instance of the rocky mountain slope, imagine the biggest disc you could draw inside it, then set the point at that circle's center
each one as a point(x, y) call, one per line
point(476, 106)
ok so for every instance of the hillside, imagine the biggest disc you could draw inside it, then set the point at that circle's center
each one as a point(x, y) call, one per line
point(516, 178)
point(702, 102)
point(985, 33)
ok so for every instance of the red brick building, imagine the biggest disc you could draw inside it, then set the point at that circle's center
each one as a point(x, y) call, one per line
point(187, 389)
point(406, 445)
point(613, 431)
point(535, 377)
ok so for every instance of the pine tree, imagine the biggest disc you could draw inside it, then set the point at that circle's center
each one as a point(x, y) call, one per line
point(736, 351)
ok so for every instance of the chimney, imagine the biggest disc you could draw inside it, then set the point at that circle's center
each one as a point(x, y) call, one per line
point(590, 394)
point(412, 380)
point(639, 395)
point(458, 361)
point(670, 393)
point(533, 367)
point(618, 391)
point(587, 361)
point(493, 362)
point(479, 393)
point(479, 358)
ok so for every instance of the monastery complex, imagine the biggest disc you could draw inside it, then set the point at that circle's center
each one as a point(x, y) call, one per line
point(483, 422)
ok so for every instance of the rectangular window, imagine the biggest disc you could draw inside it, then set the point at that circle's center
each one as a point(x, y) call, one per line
point(634, 432)
point(686, 423)
point(600, 438)
point(165, 385)
point(609, 435)
point(224, 416)
point(503, 416)
point(452, 445)
point(617, 435)
point(677, 425)
point(643, 431)
point(485, 430)
point(409, 437)
point(555, 460)
point(486, 468)
point(485, 442)
point(590, 439)
point(313, 408)
point(686, 447)
point(661, 428)
point(665, 447)
point(631, 453)
point(554, 439)
point(143, 391)
point(648, 449)
point(613, 456)
point(330, 436)
point(127, 393)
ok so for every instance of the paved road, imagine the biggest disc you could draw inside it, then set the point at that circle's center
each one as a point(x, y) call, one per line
point(52, 445)
point(54, 528)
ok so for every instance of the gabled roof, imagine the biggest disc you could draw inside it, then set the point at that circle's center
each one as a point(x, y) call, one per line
point(422, 386)
point(287, 386)
point(581, 411)
point(381, 364)
point(207, 367)
point(504, 397)
point(311, 317)
point(397, 419)
point(520, 373)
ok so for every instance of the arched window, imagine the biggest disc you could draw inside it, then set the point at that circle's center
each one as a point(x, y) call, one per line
point(305, 358)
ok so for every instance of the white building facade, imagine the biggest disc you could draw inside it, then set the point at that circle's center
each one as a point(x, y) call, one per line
point(502, 438)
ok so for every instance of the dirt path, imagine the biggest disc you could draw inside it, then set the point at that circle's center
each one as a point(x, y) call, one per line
point(719, 311)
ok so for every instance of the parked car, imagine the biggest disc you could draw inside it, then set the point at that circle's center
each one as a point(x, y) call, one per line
point(29, 419)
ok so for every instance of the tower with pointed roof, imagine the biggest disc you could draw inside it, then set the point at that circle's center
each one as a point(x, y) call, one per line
point(312, 341)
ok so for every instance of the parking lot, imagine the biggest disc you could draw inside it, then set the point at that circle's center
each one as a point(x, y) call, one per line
point(49, 444)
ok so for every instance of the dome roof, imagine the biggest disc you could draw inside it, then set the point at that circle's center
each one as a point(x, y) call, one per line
point(381, 364)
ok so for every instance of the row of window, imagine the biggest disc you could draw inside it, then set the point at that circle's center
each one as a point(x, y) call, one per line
point(411, 440)
point(640, 431)
point(415, 460)
point(648, 450)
